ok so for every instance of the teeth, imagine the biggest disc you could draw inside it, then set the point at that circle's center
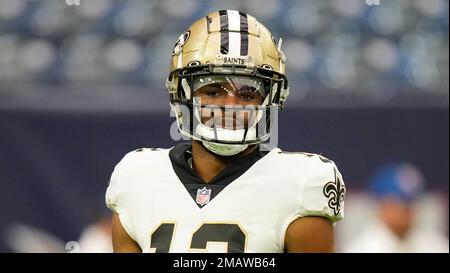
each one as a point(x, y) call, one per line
point(229, 124)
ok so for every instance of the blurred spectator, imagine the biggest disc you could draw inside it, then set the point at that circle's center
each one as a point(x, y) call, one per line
point(96, 237)
point(396, 188)
point(25, 238)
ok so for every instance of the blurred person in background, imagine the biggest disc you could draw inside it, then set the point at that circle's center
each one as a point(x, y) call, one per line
point(96, 237)
point(397, 187)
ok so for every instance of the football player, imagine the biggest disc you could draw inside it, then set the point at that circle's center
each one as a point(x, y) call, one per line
point(222, 191)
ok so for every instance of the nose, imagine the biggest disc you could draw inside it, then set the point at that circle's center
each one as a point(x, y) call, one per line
point(231, 99)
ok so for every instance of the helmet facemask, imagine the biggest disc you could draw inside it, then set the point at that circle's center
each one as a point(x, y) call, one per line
point(245, 121)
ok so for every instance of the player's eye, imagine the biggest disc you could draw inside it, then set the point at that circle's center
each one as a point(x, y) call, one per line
point(248, 93)
point(213, 93)
point(247, 96)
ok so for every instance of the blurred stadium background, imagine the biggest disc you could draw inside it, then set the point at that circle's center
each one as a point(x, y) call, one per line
point(82, 85)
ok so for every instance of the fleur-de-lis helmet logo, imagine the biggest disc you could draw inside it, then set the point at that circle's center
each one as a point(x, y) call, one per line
point(335, 192)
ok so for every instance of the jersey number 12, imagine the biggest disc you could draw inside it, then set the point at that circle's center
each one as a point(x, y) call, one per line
point(230, 234)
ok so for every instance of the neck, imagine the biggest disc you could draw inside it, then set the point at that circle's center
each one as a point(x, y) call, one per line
point(208, 164)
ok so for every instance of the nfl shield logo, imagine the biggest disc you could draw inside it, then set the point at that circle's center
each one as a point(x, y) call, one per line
point(203, 196)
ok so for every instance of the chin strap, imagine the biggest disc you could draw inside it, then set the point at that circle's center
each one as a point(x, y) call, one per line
point(224, 149)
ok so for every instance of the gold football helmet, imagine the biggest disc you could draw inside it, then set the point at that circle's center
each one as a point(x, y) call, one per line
point(233, 47)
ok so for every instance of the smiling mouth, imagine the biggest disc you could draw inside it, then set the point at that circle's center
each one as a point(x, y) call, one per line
point(229, 123)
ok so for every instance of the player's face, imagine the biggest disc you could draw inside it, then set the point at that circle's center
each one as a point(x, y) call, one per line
point(397, 214)
point(237, 99)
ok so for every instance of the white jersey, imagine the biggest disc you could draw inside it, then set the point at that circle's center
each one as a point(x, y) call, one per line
point(247, 209)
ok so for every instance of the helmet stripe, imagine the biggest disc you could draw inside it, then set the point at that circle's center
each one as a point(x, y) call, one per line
point(244, 34)
point(233, 32)
point(224, 40)
point(234, 21)
point(234, 27)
